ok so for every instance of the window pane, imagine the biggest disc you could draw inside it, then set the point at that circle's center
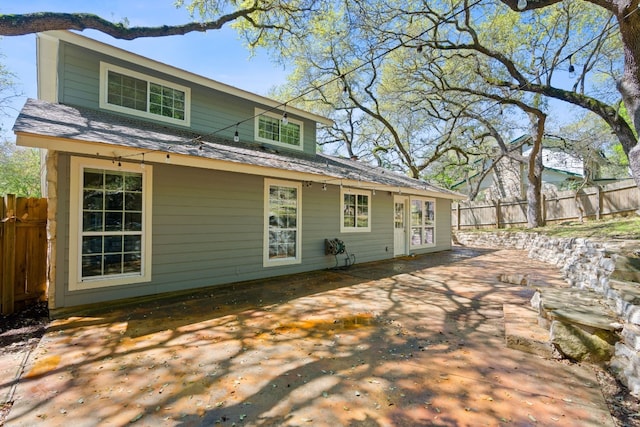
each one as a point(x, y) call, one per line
point(349, 210)
point(113, 221)
point(93, 179)
point(133, 182)
point(155, 109)
point(133, 201)
point(416, 212)
point(113, 181)
point(113, 244)
point(92, 221)
point(428, 238)
point(92, 245)
point(269, 128)
point(416, 236)
point(363, 211)
point(92, 266)
point(113, 264)
point(126, 91)
point(114, 201)
point(132, 221)
point(291, 134)
point(92, 200)
point(132, 243)
point(131, 263)
point(399, 215)
point(155, 98)
point(283, 218)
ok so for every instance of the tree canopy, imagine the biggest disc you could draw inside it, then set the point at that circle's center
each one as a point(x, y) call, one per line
point(19, 170)
point(428, 87)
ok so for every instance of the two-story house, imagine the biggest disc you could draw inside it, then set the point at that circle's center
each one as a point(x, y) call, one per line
point(507, 178)
point(162, 180)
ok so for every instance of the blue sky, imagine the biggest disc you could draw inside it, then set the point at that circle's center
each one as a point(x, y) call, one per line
point(217, 54)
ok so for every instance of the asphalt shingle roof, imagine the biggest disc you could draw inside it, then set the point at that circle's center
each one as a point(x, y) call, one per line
point(83, 124)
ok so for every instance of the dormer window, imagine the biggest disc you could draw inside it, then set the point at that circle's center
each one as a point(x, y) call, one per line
point(271, 129)
point(134, 93)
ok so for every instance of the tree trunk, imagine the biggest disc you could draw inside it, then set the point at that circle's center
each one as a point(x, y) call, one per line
point(534, 173)
point(629, 84)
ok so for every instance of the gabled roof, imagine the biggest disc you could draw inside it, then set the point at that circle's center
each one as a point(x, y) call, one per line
point(85, 131)
point(107, 49)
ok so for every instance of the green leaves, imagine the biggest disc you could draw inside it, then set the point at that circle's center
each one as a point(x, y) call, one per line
point(19, 170)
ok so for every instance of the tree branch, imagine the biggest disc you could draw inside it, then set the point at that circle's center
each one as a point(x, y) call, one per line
point(18, 25)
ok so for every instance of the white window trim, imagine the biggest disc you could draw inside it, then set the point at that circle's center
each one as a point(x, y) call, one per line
point(76, 283)
point(104, 87)
point(259, 112)
point(267, 262)
point(435, 234)
point(344, 229)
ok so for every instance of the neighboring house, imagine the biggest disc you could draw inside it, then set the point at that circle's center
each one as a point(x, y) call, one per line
point(508, 179)
point(161, 180)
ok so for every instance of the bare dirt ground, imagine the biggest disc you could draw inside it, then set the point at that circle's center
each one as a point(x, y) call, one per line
point(21, 333)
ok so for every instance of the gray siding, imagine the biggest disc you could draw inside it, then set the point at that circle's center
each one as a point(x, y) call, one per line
point(208, 229)
point(211, 111)
point(443, 224)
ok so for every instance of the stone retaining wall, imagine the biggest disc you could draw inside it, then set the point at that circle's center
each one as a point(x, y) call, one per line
point(585, 264)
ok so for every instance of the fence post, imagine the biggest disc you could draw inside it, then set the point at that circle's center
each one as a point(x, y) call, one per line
point(543, 200)
point(600, 202)
point(9, 254)
point(498, 213)
point(458, 215)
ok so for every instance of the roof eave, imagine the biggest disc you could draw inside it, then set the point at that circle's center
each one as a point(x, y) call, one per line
point(133, 154)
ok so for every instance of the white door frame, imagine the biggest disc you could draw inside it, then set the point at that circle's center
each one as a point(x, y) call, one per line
point(400, 251)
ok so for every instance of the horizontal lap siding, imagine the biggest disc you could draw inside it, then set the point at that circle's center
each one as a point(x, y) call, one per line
point(208, 229)
point(79, 76)
point(219, 213)
point(212, 111)
point(372, 246)
point(443, 224)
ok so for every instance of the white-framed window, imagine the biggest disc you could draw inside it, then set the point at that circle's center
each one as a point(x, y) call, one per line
point(109, 224)
point(283, 227)
point(423, 222)
point(130, 92)
point(355, 210)
point(269, 128)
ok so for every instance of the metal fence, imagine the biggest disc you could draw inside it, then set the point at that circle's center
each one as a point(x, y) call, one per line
point(614, 199)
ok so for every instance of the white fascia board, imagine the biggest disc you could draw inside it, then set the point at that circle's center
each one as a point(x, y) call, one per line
point(107, 49)
point(47, 68)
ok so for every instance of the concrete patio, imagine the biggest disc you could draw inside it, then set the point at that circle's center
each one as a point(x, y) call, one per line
point(413, 341)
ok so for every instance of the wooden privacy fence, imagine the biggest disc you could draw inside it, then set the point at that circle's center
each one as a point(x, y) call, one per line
point(619, 198)
point(23, 251)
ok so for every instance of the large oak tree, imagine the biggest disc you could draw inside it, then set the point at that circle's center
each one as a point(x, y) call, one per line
point(627, 15)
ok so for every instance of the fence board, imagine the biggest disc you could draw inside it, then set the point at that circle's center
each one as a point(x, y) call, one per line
point(593, 202)
point(23, 243)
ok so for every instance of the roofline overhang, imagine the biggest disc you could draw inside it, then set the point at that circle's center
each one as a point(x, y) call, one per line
point(134, 155)
point(107, 49)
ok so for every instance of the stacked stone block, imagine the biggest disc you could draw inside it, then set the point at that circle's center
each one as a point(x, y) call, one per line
point(610, 268)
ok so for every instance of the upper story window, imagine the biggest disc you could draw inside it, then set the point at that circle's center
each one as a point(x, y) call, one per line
point(270, 128)
point(355, 212)
point(134, 93)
